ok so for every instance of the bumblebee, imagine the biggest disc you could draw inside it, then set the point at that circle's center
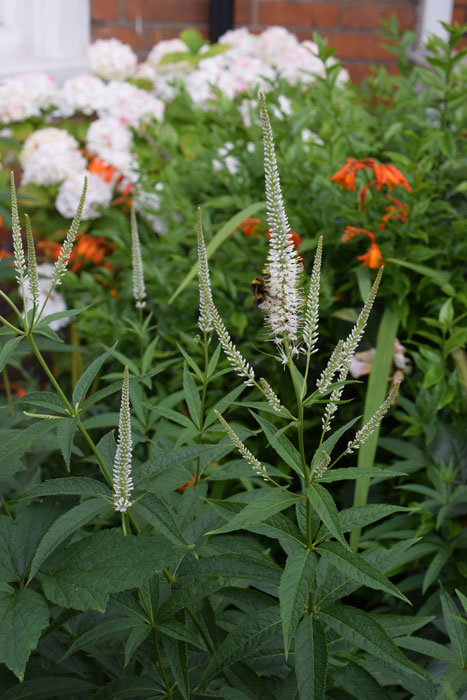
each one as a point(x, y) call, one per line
point(259, 292)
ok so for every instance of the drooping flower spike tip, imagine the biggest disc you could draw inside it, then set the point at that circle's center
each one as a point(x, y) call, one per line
point(65, 252)
point(204, 319)
point(284, 267)
point(19, 261)
point(259, 468)
point(122, 481)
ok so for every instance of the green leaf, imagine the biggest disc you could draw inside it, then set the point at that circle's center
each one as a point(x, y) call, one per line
point(193, 39)
point(8, 349)
point(223, 404)
point(156, 512)
point(428, 648)
point(69, 486)
point(311, 659)
point(362, 630)
point(111, 629)
point(24, 614)
point(86, 379)
point(84, 575)
point(435, 567)
point(358, 569)
point(233, 566)
point(137, 636)
point(192, 398)
point(172, 415)
point(222, 235)
point(356, 473)
point(358, 683)
point(329, 444)
point(254, 631)
point(457, 632)
point(7, 565)
point(402, 625)
point(176, 630)
point(44, 399)
point(176, 653)
point(64, 526)
point(47, 687)
point(262, 507)
point(66, 430)
point(129, 687)
point(294, 587)
point(282, 445)
point(169, 458)
point(23, 440)
point(322, 502)
point(360, 516)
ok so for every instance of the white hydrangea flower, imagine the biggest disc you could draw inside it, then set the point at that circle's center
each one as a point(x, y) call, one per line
point(149, 202)
point(111, 59)
point(24, 96)
point(241, 39)
point(49, 156)
point(226, 160)
point(99, 193)
point(111, 140)
point(83, 93)
point(55, 302)
point(130, 104)
point(275, 43)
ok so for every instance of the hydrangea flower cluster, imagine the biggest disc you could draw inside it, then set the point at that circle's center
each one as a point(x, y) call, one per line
point(49, 156)
point(25, 96)
point(111, 59)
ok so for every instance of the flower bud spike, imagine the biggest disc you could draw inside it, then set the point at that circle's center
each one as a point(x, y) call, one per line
point(139, 290)
point(364, 433)
point(259, 468)
point(204, 320)
point(236, 359)
point(284, 266)
point(270, 395)
point(33, 280)
point(19, 262)
point(310, 326)
point(65, 252)
point(122, 481)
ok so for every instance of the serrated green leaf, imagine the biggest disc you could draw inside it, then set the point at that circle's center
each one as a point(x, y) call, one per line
point(7, 565)
point(356, 473)
point(356, 568)
point(176, 630)
point(281, 444)
point(428, 648)
point(169, 458)
point(329, 444)
point(295, 584)
point(111, 629)
point(192, 397)
point(64, 526)
point(159, 514)
point(8, 349)
point(84, 574)
point(70, 486)
point(23, 440)
point(66, 430)
point(172, 415)
point(46, 687)
point(233, 566)
point(262, 507)
point(435, 566)
point(177, 655)
point(44, 399)
point(129, 687)
point(137, 636)
point(457, 632)
point(359, 516)
point(402, 625)
point(362, 630)
point(190, 590)
point(250, 634)
point(311, 659)
point(88, 376)
point(24, 614)
point(322, 502)
point(358, 682)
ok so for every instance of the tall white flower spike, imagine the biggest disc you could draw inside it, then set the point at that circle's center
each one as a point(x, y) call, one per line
point(33, 279)
point(122, 481)
point(139, 289)
point(19, 260)
point(259, 468)
point(205, 319)
point(284, 268)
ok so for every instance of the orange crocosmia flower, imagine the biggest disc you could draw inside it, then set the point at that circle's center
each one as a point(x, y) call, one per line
point(50, 249)
point(346, 175)
point(5, 254)
point(352, 231)
point(89, 249)
point(251, 225)
point(192, 482)
point(391, 176)
point(19, 391)
point(373, 257)
point(99, 167)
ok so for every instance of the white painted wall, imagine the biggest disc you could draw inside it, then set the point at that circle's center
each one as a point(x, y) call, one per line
point(44, 35)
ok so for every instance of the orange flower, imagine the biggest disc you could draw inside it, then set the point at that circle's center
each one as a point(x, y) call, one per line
point(100, 167)
point(5, 254)
point(396, 211)
point(192, 482)
point(387, 175)
point(19, 391)
point(50, 249)
point(391, 176)
point(251, 226)
point(346, 175)
point(373, 257)
point(89, 248)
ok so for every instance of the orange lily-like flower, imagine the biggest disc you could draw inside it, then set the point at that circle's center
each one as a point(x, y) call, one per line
point(372, 258)
point(396, 211)
point(251, 226)
point(87, 249)
point(100, 167)
point(385, 175)
point(192, 482)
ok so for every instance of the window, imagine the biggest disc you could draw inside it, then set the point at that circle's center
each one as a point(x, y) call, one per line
point(44, 35)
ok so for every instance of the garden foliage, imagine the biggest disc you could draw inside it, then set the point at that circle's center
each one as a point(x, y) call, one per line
point(197, 501)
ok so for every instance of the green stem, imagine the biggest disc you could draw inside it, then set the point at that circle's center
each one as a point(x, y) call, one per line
point(202, 631)
point(96, 453)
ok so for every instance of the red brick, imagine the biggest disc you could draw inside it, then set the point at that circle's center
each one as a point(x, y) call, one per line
point(184, 11)
point(154, 34)
point(359, 71)
point(361, 17)
point(460, 3)
point(356, 45)
point(105, 10)
point(243, 12)
point(459, 15)
point(125, 34)
point(407, 16)
point(298, 14)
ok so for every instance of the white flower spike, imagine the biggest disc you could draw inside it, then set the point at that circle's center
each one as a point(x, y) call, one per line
point(139, 290)
point(122, 481)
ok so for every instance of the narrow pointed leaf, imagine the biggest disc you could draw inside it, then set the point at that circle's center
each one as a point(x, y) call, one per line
point(357, 473)
point(456, 630)
point(112, 629)
point(260, 509)
point(66, 430)
point(68, 486)
point(192, 397)
point(8, 349)
point(311, 659)
point(323, 503)
point(281, 444)
point(86, 379)
point(24, 614)
point(294, 587)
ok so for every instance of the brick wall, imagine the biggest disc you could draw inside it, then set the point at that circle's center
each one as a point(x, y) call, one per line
point(350, 25)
